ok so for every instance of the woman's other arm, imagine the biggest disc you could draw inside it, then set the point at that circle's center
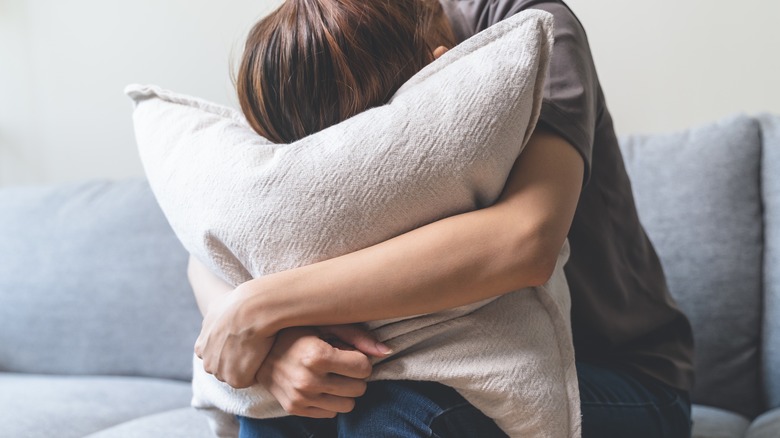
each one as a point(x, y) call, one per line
point(206, 286)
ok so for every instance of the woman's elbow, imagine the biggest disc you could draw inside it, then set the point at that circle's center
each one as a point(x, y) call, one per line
point(544, 270)
point(537, 255)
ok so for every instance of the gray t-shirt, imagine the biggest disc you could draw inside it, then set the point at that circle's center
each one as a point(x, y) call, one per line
point(622, 312)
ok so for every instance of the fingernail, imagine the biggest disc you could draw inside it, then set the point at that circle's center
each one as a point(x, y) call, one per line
point(384, 349)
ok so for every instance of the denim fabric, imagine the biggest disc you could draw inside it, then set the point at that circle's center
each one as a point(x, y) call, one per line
point(619, 404)
point(614, 403)
point(388, 409)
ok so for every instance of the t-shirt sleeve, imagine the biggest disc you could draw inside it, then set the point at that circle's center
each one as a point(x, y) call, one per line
point(570, 105)
point(570, 102)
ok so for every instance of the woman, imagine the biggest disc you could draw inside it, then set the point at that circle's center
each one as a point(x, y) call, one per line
point(633, 345)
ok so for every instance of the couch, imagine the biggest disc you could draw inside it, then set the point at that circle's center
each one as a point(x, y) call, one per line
point(97, 320)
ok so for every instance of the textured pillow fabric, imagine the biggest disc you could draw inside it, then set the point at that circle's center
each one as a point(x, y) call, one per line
point(770, 173)
point(443, 145)
point(82, 267)
point(698, 195)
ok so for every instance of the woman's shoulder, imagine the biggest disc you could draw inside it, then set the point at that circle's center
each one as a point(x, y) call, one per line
point(469, 17)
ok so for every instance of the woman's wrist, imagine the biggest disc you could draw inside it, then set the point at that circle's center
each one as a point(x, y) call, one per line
point(257, 308)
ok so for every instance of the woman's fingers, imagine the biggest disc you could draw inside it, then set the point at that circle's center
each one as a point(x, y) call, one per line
point(231, 354)
point(344, 386)
point(239, 370)
point(320, 406)
point(332, 403)
point(330, 360)
point(312, 413)
point(311, 378)
point(358, 337)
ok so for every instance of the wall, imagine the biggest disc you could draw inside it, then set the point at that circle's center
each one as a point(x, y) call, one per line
point(64, 64)
point(664, 65)
point(670, 64)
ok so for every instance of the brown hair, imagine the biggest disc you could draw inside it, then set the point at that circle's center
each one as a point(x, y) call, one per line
point(313, 63)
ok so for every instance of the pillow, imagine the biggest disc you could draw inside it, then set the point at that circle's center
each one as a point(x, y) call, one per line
point(443, 145)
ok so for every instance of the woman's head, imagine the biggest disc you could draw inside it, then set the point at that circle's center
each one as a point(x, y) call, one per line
point(314, 63)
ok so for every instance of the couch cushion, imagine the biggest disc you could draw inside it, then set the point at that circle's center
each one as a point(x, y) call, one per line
point(770, 131)
point(697, 192)
point(178, 423)
point(93, 281)
point(35, 406)
point(765, 426)
point(711, 422)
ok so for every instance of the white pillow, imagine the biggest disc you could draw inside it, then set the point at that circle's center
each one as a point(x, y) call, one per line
point(443, 145)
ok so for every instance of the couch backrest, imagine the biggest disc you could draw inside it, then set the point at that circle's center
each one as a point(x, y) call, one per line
point(93, 281)
point(770, 133)
point(698, 195)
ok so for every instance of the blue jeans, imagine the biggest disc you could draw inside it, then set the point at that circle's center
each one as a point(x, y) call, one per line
point(614, 404)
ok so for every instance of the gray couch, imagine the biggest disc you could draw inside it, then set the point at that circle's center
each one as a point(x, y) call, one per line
point(97, 321)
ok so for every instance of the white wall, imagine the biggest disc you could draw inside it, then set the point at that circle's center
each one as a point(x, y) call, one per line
point(64, 64)
point(664, 64)
point(669, 64)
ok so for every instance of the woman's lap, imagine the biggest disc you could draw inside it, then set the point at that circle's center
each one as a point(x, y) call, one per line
point(388, 409)
point(614, 403)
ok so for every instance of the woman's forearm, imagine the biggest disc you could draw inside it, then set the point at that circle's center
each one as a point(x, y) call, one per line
point(452, 262)
point(455, 261)
point(206, 286)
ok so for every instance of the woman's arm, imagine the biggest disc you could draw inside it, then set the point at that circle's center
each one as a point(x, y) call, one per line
point(332, 379)
point(206, 286)
point(455, 261)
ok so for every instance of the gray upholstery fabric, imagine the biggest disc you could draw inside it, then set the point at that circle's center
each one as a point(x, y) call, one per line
point(179, 423)
point(34, 406)
point(93, 281)
point(697, 193)
point(770, 130)
point(765, 426)
point(711, 422)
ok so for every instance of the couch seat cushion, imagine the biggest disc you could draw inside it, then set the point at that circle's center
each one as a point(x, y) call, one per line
point(178, 423)
point(765, 426)
point(34, 406)
point(711, 422)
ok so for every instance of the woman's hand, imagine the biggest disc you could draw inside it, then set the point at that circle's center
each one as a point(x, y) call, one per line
point(231, 350)
point(311, 377)
point(219, 301)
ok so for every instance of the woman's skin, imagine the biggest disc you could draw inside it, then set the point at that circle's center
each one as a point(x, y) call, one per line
point(261, 331)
